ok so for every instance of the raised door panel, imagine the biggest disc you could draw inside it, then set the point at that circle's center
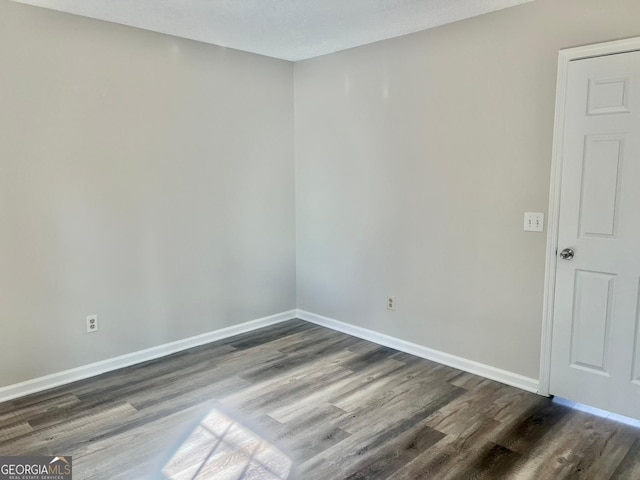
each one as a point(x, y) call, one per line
point(600, 188)
point(608, 95)
point(592, 310)
point(635, 377)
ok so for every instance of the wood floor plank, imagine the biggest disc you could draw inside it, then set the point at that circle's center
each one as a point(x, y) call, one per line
point(60, 437)
point(470, 405)
point(139, 452)
point(373, 385)
point(558, 450)
point(299, 401)
point(396, 453)
point(269, 395)
point(610, 441)
point(629, 467)
point(155, 372)
point(194, 452)
point(495, 461)
point(28, 412)
point(390, 407)
point(10, 432)
point(451, 455)
point(266, 335)
point(535, 423)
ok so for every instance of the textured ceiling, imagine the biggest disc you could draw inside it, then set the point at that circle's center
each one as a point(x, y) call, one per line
point(286, 29)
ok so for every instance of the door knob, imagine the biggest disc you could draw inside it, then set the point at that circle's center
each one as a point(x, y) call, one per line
point(567, 254)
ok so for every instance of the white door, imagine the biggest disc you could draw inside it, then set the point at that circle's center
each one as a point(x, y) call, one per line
point(595, 348)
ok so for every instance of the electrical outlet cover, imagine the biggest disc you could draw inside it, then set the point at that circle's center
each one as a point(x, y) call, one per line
point(92, 323)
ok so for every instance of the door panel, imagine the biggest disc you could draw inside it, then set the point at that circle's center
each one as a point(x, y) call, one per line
point(595, 355)
point(636, 349)
point(600, 184)
point(608, 95)
point(592, 320)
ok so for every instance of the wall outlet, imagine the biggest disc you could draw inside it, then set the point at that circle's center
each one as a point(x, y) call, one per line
point(391, 303)
point(92, 323)
point(533, 222)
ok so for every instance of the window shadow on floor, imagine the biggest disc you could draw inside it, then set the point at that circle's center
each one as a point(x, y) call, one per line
point(221, 448)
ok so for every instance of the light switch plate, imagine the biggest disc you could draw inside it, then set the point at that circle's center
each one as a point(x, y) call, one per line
point(533, 222)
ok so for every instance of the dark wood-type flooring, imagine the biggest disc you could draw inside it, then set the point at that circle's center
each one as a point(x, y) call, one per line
point(296, 400)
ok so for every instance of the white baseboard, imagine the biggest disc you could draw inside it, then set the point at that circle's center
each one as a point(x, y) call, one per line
point(487, 371)
point(61, 378)
point(35, 385)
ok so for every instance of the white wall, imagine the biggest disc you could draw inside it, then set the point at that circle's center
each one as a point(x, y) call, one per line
point(150, 180)
point(144, 178)
point(415, 160)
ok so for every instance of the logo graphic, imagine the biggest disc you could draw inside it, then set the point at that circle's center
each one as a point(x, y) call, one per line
point(35, 468)
point(59, 459)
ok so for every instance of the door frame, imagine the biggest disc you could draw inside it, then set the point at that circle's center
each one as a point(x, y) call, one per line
point(564, 58)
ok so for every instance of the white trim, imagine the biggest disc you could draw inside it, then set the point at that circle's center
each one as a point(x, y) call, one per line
point(477, 368)
point(564, 58)
point(597, 412)
point(61, 378)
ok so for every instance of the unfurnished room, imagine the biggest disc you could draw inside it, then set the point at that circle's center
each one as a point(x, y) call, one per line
point(319, 240)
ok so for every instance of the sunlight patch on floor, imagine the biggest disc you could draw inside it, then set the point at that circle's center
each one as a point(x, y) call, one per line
point(221, 448)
